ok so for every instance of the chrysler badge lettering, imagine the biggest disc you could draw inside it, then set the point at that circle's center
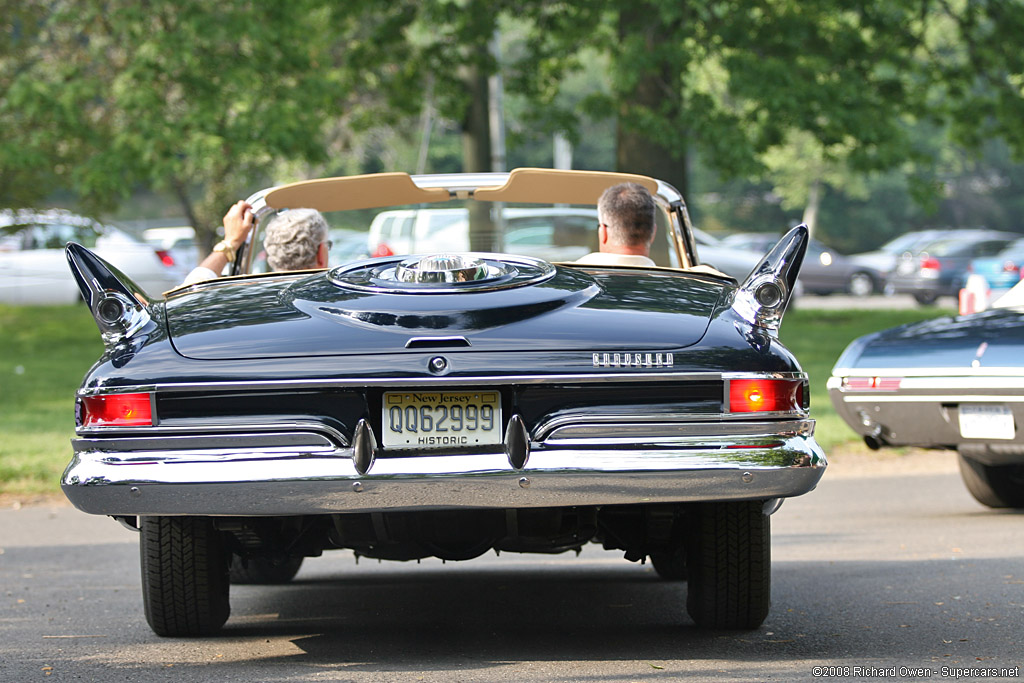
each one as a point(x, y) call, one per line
point(633, 360)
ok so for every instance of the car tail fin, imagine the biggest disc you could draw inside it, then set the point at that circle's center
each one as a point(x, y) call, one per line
point(119, 306)
point(763, 297)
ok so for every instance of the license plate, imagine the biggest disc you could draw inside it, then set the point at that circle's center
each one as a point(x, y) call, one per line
point(441, 419)
point(986, 421)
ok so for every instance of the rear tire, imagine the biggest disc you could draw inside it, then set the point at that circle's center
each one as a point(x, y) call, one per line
point(262, 571)
point(184, 576)
point(997, 486)
point(729, 565)
point(925, 298)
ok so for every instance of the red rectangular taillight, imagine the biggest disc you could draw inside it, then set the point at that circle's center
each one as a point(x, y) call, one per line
point(117, 410)
point(765, 395)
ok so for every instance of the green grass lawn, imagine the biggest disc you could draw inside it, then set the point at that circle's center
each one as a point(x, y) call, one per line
point(45, 352)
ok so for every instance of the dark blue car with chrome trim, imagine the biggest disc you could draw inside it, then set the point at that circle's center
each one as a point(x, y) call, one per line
point(953, 383)
point(446, 404)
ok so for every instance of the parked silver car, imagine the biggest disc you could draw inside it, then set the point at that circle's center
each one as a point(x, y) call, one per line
point(34, 269)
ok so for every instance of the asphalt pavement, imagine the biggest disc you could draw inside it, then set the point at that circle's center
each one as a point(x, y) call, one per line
point(887, 567)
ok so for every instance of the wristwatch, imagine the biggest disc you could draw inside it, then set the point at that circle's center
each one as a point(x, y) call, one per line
point(226, 249)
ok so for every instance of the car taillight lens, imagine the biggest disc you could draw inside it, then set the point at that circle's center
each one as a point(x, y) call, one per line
point(383, 250)
point(117, 410)
point(1009, 267)
point(165, 257)
point(871, 383)
point(930, 263)
point(765, 395)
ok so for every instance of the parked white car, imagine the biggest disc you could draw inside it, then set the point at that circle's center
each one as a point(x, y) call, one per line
point(179, 242)
point(34, 269)
point(553, 234)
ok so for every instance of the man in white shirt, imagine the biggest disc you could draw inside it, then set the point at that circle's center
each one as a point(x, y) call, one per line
point(625, 229)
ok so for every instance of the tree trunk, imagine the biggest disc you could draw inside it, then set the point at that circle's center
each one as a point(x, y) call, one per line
point(655, 89)
point(476, 153)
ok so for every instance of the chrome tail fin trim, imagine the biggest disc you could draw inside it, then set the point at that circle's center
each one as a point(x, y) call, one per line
point(763, 297)
point(119, 306)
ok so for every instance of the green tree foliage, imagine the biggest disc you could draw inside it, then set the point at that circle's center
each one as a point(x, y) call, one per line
point(207, 100)
point(32, 154)
point(189, 97)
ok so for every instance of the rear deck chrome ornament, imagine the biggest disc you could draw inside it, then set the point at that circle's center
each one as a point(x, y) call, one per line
point(446, 268)
point(441, 273)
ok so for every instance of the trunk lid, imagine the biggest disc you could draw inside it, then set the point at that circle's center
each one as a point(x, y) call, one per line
point(309, 315)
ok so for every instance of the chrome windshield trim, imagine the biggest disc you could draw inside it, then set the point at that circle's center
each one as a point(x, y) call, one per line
point(452, 380)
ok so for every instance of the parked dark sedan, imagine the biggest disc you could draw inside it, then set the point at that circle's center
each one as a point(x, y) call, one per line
point(445, 405)
point(950, 383)
point(825, 271)
point(939, 267)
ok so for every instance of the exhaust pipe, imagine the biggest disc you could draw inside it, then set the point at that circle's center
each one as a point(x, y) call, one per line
point(874, 440)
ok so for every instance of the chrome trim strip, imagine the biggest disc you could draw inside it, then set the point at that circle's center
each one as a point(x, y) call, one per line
point(471, 380)
point(864, 397)
point(676, 431)
point(1015, 371)
point(201, 429)
point(431, 343)
point(687, 422)
point(294, 483)
point(961, 383)
point(202, 444)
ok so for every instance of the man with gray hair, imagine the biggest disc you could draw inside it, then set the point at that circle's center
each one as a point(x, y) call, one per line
point(625, 229)
point(295, 240)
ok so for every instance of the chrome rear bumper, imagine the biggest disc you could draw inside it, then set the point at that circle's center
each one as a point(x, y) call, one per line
point(268, 474)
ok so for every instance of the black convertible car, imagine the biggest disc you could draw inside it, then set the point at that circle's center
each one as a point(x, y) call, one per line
point(446, 404)
point(951, 383)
